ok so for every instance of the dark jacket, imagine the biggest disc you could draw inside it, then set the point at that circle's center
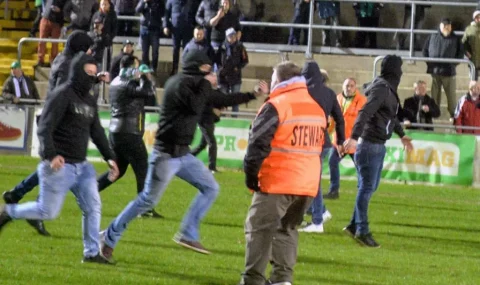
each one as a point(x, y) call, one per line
point(109, 21)
point(231, 58)
point(152, 12)
point(70, 118)
point(8, 92)
point(327, 9)
point(55, 17)
point(77, 41)
point(230, 20)
point(367, 9)
point(115, 66)
point(179, 14)
point(439, 46)
point(203, 46)
point(127, 99)
point(125, 6)
point(98, 47)
point(207, 10)
point(185, 97)
point(412, 109)
point(326, 98)
point(80, 12)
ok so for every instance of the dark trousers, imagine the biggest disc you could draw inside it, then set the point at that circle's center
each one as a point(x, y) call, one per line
point(150, 38)
point(36, 22)
point(130, 150)
point(361, 37)
point(208, 138)
point(180, 37)
point(402, 37)
point(25, 186)
point(125, 26)
point(299, 18)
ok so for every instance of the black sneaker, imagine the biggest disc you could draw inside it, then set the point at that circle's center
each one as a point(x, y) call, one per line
point(97, 259)
point(350, 230)
point(367, 240)
point(4, 217)
point(10, 198)
point(152, 214)
point(39, 226)
point(332, 195)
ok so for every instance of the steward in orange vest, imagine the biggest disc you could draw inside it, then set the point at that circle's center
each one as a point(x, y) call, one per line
point(282, 166)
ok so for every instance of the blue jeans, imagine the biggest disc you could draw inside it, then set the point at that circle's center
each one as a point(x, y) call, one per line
point(26, 186)
point(150, 37)
point(162, 167)
point(317, 207)
point(54, 185)
point(369, 162)
point(333, 163)
point(231, 89)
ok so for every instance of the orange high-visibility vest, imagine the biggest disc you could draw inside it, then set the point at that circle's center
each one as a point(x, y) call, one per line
point(293, 165)
point(350, 115)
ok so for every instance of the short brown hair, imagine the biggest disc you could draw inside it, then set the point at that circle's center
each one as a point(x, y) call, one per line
point(287, 70)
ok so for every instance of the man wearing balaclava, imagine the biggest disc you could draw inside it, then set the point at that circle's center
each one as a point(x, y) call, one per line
point(77, 42)
point(376, 122)
point(185, 97)
point(69, 120)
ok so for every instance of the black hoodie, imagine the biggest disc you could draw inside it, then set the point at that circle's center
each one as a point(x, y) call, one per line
point(78, 41)
point(378, 118)
point(186, 96)
point(70, 118)
point(326, 98)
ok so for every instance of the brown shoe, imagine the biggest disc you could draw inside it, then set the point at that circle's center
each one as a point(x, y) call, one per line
point(193, 245)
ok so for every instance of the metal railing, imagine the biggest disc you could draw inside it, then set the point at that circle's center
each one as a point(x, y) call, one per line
point(310, 26)
point(428, 59)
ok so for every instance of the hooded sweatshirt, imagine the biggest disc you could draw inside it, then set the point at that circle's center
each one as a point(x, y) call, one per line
point(78, 41)
point(326, 98)
point(70, 118)
point(186, 96)
point(378, 118)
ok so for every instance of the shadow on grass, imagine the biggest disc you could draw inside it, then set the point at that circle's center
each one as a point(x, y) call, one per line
point(422, 206)
point(321, 280)
point(418, 226)
point(238, 226)
point(475, 244)
point(353, 265)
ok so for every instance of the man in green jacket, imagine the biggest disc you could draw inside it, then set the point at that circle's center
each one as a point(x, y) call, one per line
point(471, 41)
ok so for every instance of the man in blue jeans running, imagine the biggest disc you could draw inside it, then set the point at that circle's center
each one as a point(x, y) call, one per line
point(186, 95)
point(68, 121)
point(373, 127)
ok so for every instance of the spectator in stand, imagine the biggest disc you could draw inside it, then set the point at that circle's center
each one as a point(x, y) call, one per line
point(329, 12)
point(351, 101)
point(125, 8)
point(80, 13)
point(368, 15)
point(207, 10)
point(300, 16)
point(407, 21)
point(150, 29)
point(179, 22)
point(231, 58)
point(467, 113)
point(226, 18)
point(420, 108)
point(50, 26)
point(126, 50)
point(109, 19)
point(198, 42)
point(444, 44)
point(18, 86)
point(251, 11)
point(471, 41)
point(36, 23)
point(98, 38)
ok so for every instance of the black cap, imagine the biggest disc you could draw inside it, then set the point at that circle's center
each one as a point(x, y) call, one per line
point(127, 42)
point(446, 21)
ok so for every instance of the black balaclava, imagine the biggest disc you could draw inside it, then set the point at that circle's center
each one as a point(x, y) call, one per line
point(392, 70)
point(78, 41)
point(78, 79)
point(192, 62)
point(311, 72)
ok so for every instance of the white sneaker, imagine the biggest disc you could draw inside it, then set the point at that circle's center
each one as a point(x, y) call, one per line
point(282, 283)
point(312, 228)
point(327, 216)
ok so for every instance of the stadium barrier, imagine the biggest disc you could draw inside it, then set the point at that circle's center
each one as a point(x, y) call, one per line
point(438, 158)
